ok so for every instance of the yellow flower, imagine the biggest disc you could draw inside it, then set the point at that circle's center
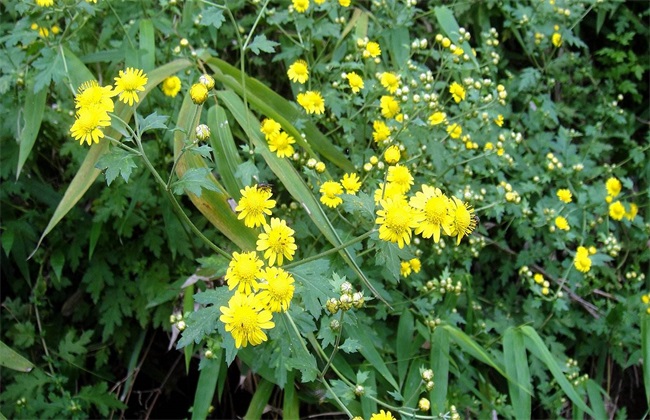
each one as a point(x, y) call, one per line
point(91, 95)
point(415, 264)
point(199, 93)
point(435, 212)
point(613, 186)
point(382, 415)
point(278, 289)
point(562, 223)
point(207, 81)
point(564, 195)
point(396, 220)
point(281, 144)
point(634, 209)
point(372, 50)
point(464, 220)
point(616, 210)
point(390, 81)
point(437, 118)
point(312, 101)
point(298, 72)
point(457, 92)
point(171, 86)
point(330, 191)
point(270, 128)
point(392, 155)
point(539, 279)
point(401, 177)
point(320, 167)
point(389, 106)
point(392, 191)
point(355, 81)
point(301, 6)
point(129, 83)
point(253, 205)
point(351, 183)
point(499, 120)
point(454, 131)
point(243, 272)
point(44, 3)
point(380, 131)
point(424, 404)
point(88, 125)
point(245, 318)
point(405, 269)
point(277, 242)
point(582, 261)
point(344, 3)
point(556, 39)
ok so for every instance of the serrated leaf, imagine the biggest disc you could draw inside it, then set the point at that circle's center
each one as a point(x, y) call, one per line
point(305, 363)
point(260, 43)
point(151, 122)
point(99, 396)
point(71, 346)
point(312, 286)
point(193, 181)
point(116, 162)
point(350, 346)
point(203, 150)
point(212, 17)
point(199, 324)
point(51, 68)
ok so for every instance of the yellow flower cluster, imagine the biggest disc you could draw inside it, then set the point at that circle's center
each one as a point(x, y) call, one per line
point(617, 209)
point(411, 266)
point(279, 141)
point(646, 301)
point(582, 262)
point(331, 191)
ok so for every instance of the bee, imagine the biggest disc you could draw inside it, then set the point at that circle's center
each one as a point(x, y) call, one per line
point(263, 186)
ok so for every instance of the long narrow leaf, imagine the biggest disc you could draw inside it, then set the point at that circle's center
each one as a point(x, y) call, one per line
point(449, 25)
point(439, 361)
point(645, 349)
point(206, 386)
point(472, 347)
point(147, 45)
point(291, 403)
point(596, 400)
point(369, 351)
point(516, 364)
point(12, 360)
point(34, 109)
point(226, 156)
point(260, 400)
point(404, 343)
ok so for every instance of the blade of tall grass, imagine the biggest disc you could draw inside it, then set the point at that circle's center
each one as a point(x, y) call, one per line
point(226, 156)
point(206, 386)
point(516, 364)
point(260, 400)
point(439, 360)
point(33, 110)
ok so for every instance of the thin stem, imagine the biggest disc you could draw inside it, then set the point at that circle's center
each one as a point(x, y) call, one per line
point(336, 347)
point(332, 250)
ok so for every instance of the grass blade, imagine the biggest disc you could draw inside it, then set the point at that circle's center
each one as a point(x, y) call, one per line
point(369, 351)
point(12, 360)
point(516, 364)
point(645, 349)
point(404, 343)
point(439, 356)
point(206, 386)
point(291, 403)
point(226, 156)
point(470, 346)
point(34, 109)
point(596, 400)
point(260, 400)
point(147, 45)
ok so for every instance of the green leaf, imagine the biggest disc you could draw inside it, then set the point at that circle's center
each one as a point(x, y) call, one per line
point(369, 351)
point(70, 346)
point(99, 396)
point(51, 67)
point(645, 350)
point(260, 400)
point(450, 27)
point(12, 360)
point(260, 43)
point(312, 286)
point(147, 45)
point(151, 122)
point(200, 324)
point(439, 360)
point(33, 109)
point(290, 402)
point(350, 346)
point(472, 347)
point(516, 364)
point(193, 181)
point(116, 162)
point(56, 261)
point(206, 386)
point(226, 155)
point(212, 16)
point(596, 399)
point(404, 343)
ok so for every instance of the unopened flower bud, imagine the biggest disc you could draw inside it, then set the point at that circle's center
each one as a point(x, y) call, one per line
point(207, 81)
point(202, 132)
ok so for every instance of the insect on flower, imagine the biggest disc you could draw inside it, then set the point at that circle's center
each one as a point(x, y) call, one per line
point(266, 187)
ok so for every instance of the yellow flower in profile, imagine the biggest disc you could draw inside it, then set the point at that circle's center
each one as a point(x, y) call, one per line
point(351, 183)
point(582, 262)
point(634, 209)
point(344, 3)
point(372, 50)
point(44, 3)
point(245, 318)
point(556, 39)
point(91, 95)
point(616, 210)
point(396, 220)
point(405, 269)
point(320, 167)
point(435, 212)
point(312, 102)
point(564, 195)
point(390, 81)
point(382, 415)
point(89, 124)
point(355, 81)
point(298, 72)
point(199, 93)
point(392, 155)
point(277, 242)
point(281, 144)
point(389, 106)
point(457, 92)
point(464, 221)
point(277, 292)
point(380, 131)
point(253, 205)
point(171, 86)
point(415, 264)
point(562, 223)
point(400, 176)
point(499, 120)
point(613, 186)
point(454, 131)
point(437, 118)
point(269, 127)
point(539, 279)
point(331, 190)
point(392, 191)
point(300, 6)
point(243, 272)
point(128, 83)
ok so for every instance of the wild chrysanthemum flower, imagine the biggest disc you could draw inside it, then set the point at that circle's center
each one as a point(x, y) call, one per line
point(372, 50)
point(613, 186)
point(634, 209)
point(392, 191)
point(245, 318)
point(281, 144)
point(562, 223)
point(44, 3)
point(171, 86)
point(464, 220)
point(278, 290)
point(435, 212)
point(392, 155)
point(390, 81)
point(253, 205)
point(243, 272)
point(351, 183)
point(344, 3)
point(300, 6)
point(499, 120)
point(556, 39)
point(88, 125)
point(389, 106)
point(129, 83)
point(457, 92)
point(616, 210)
point(312, 101)
point(564, 195)
point(207, 81)
point(539, 279)
point(355, 81)
point(396, 220)
point(582, 262)
point(91, 95)
point(424, 404)
point(198, 93)
point(405, 269)
point(320, 167)
point(400, 176)
point(270, 128)
point(454, 131)
point(298, 72)
point(382, 415)
point(380, 132)
point(277, 242)
point(330, 192)
point(437, 118)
